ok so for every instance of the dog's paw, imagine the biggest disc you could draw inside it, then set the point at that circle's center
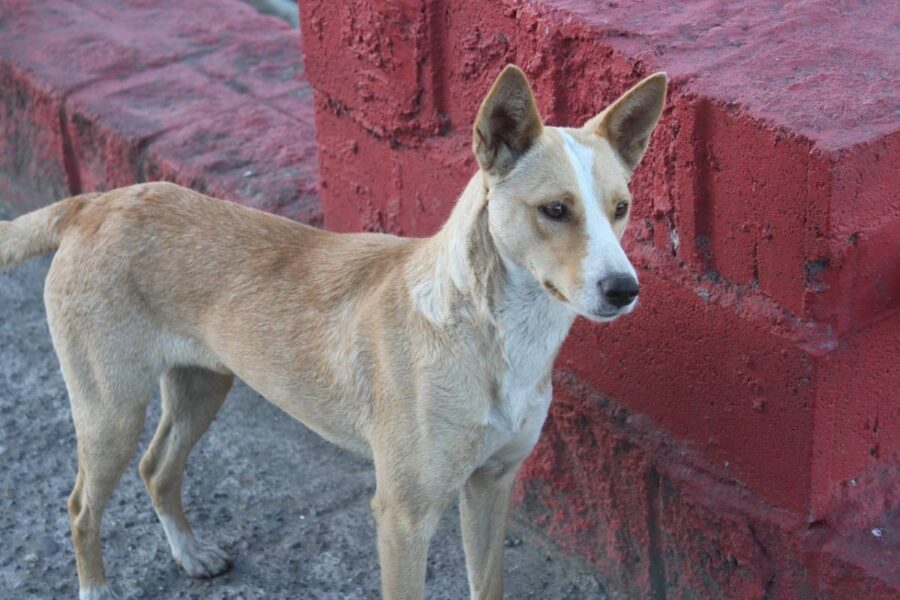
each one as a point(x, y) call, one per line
point(100, 593)
point(197, 557)
point(201, 559)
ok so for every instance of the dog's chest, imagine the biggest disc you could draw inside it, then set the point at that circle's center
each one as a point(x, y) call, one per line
point(515, 425)
point(532, 328)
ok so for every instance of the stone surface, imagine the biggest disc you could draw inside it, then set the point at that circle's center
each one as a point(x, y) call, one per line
point(661, 521)
point(253, 154)
point(97, 95)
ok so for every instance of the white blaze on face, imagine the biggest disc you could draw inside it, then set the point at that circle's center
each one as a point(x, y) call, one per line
point(604, 256)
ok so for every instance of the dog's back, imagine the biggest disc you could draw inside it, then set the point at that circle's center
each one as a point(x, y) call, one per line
point(167, 276)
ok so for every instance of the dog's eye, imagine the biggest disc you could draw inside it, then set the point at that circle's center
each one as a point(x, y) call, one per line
point(555, 210)
point(621, 210)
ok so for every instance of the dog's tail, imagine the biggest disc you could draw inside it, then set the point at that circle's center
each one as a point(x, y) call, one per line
point(37, 232)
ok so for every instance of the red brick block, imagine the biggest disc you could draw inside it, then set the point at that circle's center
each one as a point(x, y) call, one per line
point(371, 185)
point(574, 74)
point(863, 185)
point(477, 41)
point(130, 114)
point(65, 47)
point(373, 58)
point(354, 172)
point(188, 28)
point(225, 155)
point(46, 52)
point(31, 138)
point(857, 415)
point(659, 521)
point(429, 181)
point(714, 376)
point(263, 64)
point(757, 222)
point(111, 122)
point(859, 283)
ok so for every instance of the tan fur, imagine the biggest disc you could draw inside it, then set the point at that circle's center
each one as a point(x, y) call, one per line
point(432, 356)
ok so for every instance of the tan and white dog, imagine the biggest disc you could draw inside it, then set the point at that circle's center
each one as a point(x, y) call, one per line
point(432, 356)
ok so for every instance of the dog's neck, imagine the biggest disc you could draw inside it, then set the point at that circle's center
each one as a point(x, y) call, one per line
point(459, 274)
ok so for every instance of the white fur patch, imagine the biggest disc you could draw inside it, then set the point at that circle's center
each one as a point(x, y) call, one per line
point(604, 255)
point(198, 558)
point(100, 593)
point(533, 327)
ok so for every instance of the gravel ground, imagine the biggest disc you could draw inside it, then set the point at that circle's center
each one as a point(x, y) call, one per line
point(291, 509)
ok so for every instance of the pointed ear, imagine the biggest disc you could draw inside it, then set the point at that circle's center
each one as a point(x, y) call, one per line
point(628, 122)
point(507, 124)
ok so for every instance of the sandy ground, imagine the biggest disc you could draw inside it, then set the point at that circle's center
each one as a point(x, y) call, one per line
point(290, 508)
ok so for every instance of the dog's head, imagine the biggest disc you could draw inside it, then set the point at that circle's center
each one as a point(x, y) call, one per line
point(558, 197)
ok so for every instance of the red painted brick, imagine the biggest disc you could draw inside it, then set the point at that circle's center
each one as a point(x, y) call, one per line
point(371, 187)
point(754, 206)
point(478, 40)
point(31, 136)
point(92, 99)
point(856, 432)
point(65, 47)
point(713, 376)
point(659, 521)
point(861, 282)
point(262, 64)
point(226, 156)
point(573, 75)
point(48, 50)
point(370, 57)
point(812, 50)
point(188, 27)
point(354, 171)
point(428, 181)
point(864, 186)
point(111, 122)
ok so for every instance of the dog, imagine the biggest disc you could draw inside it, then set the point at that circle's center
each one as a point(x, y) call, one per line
point(431, 356)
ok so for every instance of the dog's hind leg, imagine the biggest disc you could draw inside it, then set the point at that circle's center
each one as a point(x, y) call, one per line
point(191, 397)
point(108, 408)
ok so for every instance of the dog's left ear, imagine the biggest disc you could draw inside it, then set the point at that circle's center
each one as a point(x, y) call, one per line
point(507, 124)
point(628, 122)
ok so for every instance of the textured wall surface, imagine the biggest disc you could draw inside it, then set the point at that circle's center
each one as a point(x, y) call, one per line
point(767, 235)
point(97, 94)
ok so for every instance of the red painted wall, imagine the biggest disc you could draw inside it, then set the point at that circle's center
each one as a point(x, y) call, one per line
point(767, 233)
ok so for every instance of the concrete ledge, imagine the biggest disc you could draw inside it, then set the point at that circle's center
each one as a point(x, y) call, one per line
point(211, 96)
point(660, 521)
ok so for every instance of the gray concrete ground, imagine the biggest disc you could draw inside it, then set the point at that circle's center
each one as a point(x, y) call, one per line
point(291, 509)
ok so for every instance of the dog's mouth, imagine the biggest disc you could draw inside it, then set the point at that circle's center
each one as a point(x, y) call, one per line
point(553, 291)
point(605, 315)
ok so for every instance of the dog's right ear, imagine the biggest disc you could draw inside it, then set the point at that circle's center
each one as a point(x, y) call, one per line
point(507, 124)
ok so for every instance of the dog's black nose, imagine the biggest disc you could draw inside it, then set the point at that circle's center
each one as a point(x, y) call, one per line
point(619, 289)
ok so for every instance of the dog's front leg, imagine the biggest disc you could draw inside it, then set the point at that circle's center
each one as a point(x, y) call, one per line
point(406, 521)
point(484, 503)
